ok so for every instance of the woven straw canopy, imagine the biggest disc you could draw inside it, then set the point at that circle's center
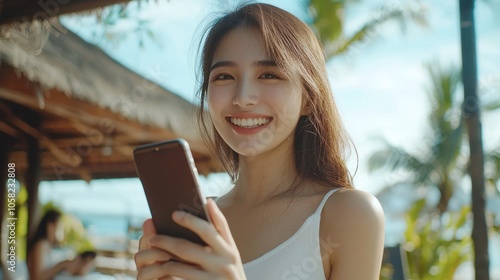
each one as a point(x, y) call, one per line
point(85, 110)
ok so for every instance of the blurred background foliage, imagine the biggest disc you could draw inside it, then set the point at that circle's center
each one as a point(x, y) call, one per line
point(436, 245)
point(328, 20)
point(441, 160)
point(438, 239)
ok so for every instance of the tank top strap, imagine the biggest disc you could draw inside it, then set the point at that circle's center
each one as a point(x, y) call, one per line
point(327, 195)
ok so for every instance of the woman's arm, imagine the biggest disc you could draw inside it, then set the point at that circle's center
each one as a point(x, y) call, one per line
point(355, 221)
point(36, 269)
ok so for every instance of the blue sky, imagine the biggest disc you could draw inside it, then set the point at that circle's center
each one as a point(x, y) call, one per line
point(379, 87)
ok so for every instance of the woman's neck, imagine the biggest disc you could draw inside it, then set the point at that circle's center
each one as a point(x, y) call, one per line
point(263, 176)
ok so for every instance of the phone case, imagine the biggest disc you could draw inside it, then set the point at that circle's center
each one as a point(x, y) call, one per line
point(169, 178)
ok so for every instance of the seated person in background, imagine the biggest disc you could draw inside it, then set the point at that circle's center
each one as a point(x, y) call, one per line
point(45, 261)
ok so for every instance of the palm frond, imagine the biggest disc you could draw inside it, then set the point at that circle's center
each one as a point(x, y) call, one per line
point(491, 105)
point(393, 158)
point(450, 148)
point(369, 30)
point(492, 168)
point(444, 97)
point(327, 18)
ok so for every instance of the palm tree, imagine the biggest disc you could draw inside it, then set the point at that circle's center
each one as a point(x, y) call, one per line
point(442, 161)
point(472, 117)
point(327, 18)
point(433, 164)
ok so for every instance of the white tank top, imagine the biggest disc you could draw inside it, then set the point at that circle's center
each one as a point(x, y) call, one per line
point(299, 257)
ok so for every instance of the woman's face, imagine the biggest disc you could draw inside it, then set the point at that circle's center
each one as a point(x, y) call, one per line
point(254, 106)
point(55, 232)
point(59, 234)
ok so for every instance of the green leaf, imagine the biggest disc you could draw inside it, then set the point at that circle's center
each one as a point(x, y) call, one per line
point(328, 19)
point(491, 106)
point(330, 24)
point(438, 254)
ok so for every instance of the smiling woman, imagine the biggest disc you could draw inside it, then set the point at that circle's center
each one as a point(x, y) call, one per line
point(247, 87)
point(275, 127)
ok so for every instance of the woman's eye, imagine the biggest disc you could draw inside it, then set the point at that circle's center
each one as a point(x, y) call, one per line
point(269, 76)
point(222, 77)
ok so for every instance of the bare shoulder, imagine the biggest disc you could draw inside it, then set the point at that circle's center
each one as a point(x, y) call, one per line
point(42, 246)
point(351, 207)
point(354, 221)
point(40, 249)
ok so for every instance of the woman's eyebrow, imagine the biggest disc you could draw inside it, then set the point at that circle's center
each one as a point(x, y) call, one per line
point(265, 63)
point(260, 63)
point(222, 64)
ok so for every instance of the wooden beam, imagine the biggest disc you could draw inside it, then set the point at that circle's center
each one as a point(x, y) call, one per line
point(106, 141)
point(9, 130)
point(74, 141)
point(64, 157)
point(19, 89)
point(98, 171)
point(58, 124)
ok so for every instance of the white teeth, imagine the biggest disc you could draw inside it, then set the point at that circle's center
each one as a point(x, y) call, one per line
point(249, 122)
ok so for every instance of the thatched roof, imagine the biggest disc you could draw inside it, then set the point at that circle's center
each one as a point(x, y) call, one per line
point(28, 10)
point(61, 68)
point(84, 71)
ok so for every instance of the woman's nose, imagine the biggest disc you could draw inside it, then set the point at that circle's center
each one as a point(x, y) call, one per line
point(246, 94)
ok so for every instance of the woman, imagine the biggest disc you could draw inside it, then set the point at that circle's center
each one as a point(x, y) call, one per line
point(45, 261)
point(278, 133)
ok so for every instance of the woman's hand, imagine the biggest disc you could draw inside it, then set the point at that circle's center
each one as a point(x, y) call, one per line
point(79, 266)
point(159, 254)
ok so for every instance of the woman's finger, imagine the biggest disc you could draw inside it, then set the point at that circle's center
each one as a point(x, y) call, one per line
point(205, 230)
point(185, 250)
point(219, 222)
point(149, 231)
point(185, 271)
point(173, 270)
point(150, 256)
point(153, 271)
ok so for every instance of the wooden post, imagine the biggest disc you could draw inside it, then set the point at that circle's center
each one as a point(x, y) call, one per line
point(472, 115)
point(33, 157)
point(32, 180)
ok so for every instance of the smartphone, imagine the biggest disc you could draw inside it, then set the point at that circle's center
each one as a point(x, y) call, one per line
point(170, 181)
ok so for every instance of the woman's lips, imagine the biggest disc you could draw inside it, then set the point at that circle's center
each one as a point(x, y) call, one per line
point(248, 125)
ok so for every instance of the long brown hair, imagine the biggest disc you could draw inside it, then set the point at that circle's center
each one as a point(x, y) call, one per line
point(321, 143)
point(50, 217)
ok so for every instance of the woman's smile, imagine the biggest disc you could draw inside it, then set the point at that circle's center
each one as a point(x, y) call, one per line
point(248, 124)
